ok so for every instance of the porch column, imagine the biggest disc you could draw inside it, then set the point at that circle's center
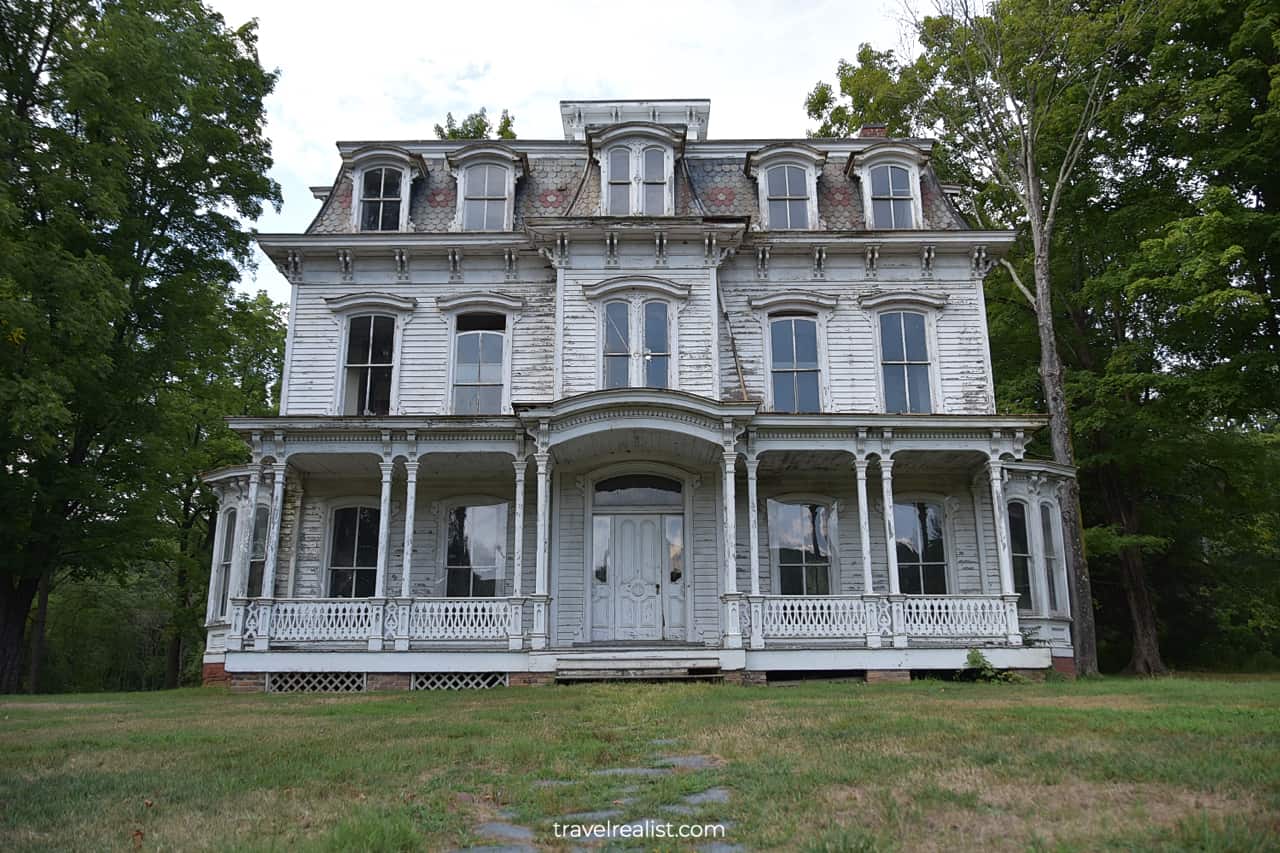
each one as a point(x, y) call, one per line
point(538, 637)
point(273, 534)
point(384, 530)
point(753, 543)
point(399, 611)
point(871, 604)
point(1004, 553)
point(515, 629)
point(897, 613)
point(732, 617)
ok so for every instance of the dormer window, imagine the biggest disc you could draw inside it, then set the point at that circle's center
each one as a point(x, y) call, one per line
point(636, 165)
point(891, 197)
point(380, 201)
point(486, 173)
point(485, 203)
point(787, 181)
point(788, 188)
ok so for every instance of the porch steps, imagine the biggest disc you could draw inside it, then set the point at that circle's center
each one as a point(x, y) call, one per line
point(629, 663)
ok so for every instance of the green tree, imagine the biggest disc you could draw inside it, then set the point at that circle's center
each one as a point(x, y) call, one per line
point(477, 126)
point(131, 152)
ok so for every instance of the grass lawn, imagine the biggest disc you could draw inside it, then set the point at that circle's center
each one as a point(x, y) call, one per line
point(1168, 764)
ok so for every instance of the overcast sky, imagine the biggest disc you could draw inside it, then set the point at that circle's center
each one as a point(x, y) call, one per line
point(374, 69)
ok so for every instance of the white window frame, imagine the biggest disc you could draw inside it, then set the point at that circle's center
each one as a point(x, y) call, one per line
point(501, 578)
point(950, 506)
point(331, 508)
point(894, 154)
point(490, 154)
point(636, 291)
point(451, 308)
point(919, 302)
point(833, 538)
point(1031, 492)
point(1059, 578)
point(219, 611)
point(635, 137)
point(353, 305)
point(263, 507)
point(821, 307)
point(1036, 596)
point(808, 158)
point(377, 157)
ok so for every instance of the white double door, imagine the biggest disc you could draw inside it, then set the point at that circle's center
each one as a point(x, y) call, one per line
point(640, 596)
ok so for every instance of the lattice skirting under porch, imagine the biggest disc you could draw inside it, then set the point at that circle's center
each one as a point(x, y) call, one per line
point(458, 680)
point(315, 682)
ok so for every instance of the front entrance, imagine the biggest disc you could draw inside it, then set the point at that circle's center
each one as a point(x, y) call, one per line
point(637, 576)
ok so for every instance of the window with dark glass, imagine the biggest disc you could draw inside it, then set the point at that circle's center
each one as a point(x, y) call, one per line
point(657, 346)
point(794, 350)
point(619, 198)
point(476, 546)
point(380, 200)
point(800, 544)
point(370, 352)
point(478, 350)
point(353, 559)
point(891, 197)
point(1050, 555)
point(655, 182)
point(638, 490)
point(904, 362)
point(788, 193)
point(922, 561)
point(258, 554)
point(617, 345)
point(485, 206)
point(1020, 548)
point(225, 559)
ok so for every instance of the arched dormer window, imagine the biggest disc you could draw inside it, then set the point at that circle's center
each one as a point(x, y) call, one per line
point(787, 181)
point(638, 331)
point(381, 178)
point(889, 173)
point(637, 163)
point(486, 173)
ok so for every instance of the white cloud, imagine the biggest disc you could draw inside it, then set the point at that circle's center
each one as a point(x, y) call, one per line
point(385, 70)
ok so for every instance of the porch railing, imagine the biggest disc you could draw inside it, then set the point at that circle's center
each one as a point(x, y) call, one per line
point(257, 623)
point(883, 619)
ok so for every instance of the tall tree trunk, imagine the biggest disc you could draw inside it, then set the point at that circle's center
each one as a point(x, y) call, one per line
point(177, 628)
point(1084, 636)
point(1144, 657)
point(16, 594)
point(38, 631)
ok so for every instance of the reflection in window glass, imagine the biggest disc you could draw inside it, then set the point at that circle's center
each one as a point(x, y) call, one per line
point(617, 345)
point(891, 198)
point(904, 363)
point(800, 543)
point(476, 549)
point(638, 490)
point(353, 558)
point(655, 182)
point(370, 348)
point(619, 198)
point(1020, 548)
point(657, 349)
point(1050, 555)
point(794, 347)
point(258, 554)
point(788, 197)
point(485, 205)
point(478, 364)
point(922, 563)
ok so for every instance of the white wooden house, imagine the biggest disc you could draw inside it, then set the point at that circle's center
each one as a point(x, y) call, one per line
point(634, 401)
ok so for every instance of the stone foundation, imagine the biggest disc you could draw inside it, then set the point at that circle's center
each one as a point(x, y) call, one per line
point(248, 682)
point(750, 677)
point(214, 675)
point(530, 679)
point(388, 681)
point(881, 676)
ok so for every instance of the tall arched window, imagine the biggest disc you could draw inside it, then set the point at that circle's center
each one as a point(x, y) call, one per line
point(1050, 543)
point(794, 369)
point(617, 344)
point(370, 360)
point(353, 557)
point(800, 547)
point(788, 197)
point(225, 559)
point(922, 558)
point(485, 204)
point(1020, 548)
point(891, 197)
point(380, 199)
point(904, 363)
point(478, 370)
point(258, 552)
point(657, 344)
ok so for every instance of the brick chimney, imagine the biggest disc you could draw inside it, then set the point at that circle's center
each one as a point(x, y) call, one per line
point(876, 130)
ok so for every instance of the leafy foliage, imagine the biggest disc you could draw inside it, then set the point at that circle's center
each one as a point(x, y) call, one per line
point(477, 126)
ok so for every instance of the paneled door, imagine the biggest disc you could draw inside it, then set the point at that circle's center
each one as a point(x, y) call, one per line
point(639, 564)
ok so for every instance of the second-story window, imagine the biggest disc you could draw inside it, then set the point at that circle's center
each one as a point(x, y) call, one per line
point(370, 356)
point(485, 205)
point(657, 345)
point(891, 197)
point(788, 197)
point(794, 370)
point(478, 372)
point(380, 200)
point(625, 365)
point(904, 360)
